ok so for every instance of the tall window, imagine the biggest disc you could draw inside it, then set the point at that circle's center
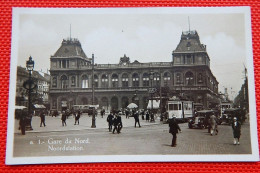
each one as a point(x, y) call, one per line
point(96, 81)
point(189, 78)
point(189, 60)
point(115, 80)
point(54, 81)
point(84, 82)
point(124, 80)
point(64, 81)
point(73, 81)
point(166, 78)
point(156, 79)
point(104, 80)
point(145, 80)
point(178, 78)
point(200, 80)
point(135, 80)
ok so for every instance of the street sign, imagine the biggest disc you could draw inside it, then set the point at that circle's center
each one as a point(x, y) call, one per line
point(151, 90)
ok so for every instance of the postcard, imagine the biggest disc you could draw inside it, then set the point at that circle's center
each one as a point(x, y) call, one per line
point(131, 85)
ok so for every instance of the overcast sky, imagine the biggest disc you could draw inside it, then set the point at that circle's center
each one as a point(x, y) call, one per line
point(142, 37)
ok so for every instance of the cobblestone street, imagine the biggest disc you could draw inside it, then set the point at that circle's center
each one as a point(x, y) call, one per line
point(149, 139)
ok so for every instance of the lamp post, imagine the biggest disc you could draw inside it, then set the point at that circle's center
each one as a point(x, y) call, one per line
point(93, 95)
point(29, 86)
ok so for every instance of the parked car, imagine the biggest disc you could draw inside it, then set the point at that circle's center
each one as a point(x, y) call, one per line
point(230, 113)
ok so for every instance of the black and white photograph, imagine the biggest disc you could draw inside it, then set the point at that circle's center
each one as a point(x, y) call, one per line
point(131, 85)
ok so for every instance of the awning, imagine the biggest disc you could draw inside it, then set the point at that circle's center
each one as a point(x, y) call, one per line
point(156, 104)
point(39, 106)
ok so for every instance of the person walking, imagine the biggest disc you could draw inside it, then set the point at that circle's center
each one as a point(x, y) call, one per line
point(42, 115)
point(127, 113)
point(77, 117)
point(136, 116)
point(174, 129)
point(63, 118)
point(147, 116)
point(110, 119)
point(115, 123)
point(213, 125)
point(236, 126)
point(119, 124)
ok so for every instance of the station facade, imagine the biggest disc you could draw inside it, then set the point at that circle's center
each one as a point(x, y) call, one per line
point(187, 75)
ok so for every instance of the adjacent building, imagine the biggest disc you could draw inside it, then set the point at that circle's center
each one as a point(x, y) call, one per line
point(187, 74)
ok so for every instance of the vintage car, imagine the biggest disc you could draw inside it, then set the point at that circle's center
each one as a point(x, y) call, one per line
point(201, 119)
point(230, 113)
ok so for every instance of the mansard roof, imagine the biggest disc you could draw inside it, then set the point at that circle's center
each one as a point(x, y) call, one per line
point(190, 42)
point(70, 48)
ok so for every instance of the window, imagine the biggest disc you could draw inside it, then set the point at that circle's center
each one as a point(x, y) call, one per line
point(63, 63)
point(156, 79)
point(189, 61)
point(178, 60)
point(135, 80)
point(178, 78)
point(84, 83)
point(145, 80)
point(73, 81)
point(166, 78)
point(200, 78)
point(64, 82)
point(54, 64)
point(124, 80)
point(114, 80)
point(104, 80)
point(189, 78)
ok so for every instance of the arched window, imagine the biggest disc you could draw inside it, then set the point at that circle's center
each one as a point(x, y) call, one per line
point(156, 79)
point(115, 80)
point(54, 81)
point(104, 80)
point(166, 78)
point(73, 81)
point(84, 83)
point(189, 78)
point(145, 80)
point(124, 80)
point(64, 81)
point(135, 80)
point(96, 81)
point(178, 78)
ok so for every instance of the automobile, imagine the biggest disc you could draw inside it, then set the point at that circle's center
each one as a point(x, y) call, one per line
point(230, 113)
point(201, 119)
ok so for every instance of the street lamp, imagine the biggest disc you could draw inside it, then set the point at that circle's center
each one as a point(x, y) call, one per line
point(29, 85)
point(93, 95)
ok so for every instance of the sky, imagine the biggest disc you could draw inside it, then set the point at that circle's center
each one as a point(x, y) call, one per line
point(146, 37)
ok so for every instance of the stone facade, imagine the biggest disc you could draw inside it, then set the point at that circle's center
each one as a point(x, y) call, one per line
point(117, 85)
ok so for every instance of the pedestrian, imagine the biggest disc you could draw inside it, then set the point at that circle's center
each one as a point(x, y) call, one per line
point(77, 117)
point(110, 119)
point(127, 113)
point(142, 113)
point(119, 124)
point(174, 129)
point(136, 116)
point(236, 126)
point(63, 118)
point(147, 116)
point(115, 123)
point(42, 115)
point(213, 125)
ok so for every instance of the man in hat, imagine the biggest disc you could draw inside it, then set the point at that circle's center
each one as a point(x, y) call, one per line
point(174, 129)
point(236, 126)
point(110, 119)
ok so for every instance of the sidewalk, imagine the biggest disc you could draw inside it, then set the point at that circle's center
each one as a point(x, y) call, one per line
point(53, 124)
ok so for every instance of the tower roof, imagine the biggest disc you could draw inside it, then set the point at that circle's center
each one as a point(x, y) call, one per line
point(190, 42)
point(70, 48)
